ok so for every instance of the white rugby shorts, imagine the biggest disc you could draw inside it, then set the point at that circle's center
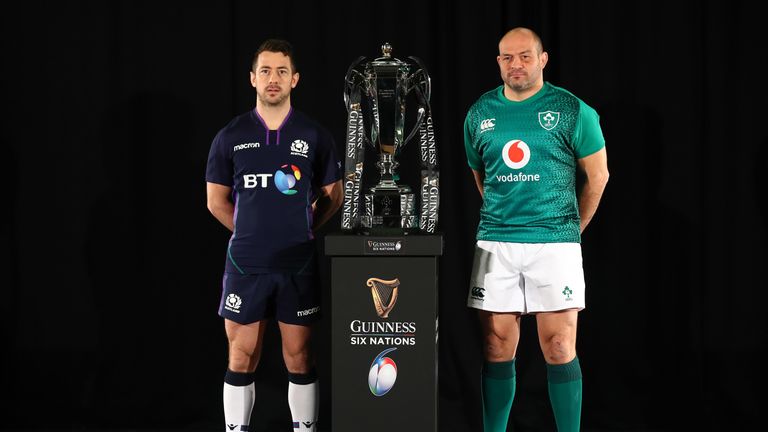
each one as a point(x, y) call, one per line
point(526, 277)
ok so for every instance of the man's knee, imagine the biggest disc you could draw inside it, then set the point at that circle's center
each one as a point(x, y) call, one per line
point(297, 362)
point(559, 348)
point(240, 360)
point(499, 346)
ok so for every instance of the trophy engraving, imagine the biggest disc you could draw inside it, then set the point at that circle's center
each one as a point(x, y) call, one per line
point(384, 294)
point(376, 94)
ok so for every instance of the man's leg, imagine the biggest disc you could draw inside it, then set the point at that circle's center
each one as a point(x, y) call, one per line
point(501, 333)
point(303, 385)
point(557, 336)
point(245, 341)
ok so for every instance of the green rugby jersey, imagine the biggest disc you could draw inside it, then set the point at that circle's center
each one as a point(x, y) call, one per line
point(528, 151)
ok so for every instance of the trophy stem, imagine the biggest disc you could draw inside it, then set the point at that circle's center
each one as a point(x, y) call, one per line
point(387, 165)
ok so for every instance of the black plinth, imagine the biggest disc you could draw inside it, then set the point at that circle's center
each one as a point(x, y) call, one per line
point(384, 369)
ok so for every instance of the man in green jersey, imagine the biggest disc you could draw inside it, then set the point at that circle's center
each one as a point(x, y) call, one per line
point(524, 142)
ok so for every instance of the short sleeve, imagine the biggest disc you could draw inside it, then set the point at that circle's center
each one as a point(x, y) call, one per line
point(587, 136)
point(327, 164)
point(219, 169)
point(474, 159)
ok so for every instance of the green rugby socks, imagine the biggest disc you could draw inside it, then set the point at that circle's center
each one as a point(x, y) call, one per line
point(498, 390)
point(565, 394)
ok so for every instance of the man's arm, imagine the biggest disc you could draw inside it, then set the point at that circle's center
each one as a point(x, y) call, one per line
point(219, 204)
point(595, 166)
point(327, 204)
point(479, 179)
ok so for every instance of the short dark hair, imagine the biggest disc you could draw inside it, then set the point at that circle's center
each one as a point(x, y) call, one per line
point(276, 45)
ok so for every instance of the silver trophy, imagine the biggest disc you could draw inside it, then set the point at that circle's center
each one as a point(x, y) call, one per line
point(375, 94)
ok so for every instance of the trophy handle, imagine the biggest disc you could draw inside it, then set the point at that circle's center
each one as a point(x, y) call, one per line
point(422, 95)
point(349, 80)
point(353, 80)
point(423, 71)
point(419, 119)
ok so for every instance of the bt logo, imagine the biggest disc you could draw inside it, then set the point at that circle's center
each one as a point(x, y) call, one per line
point(285, 179)
point(516, 154)
point(251, 181)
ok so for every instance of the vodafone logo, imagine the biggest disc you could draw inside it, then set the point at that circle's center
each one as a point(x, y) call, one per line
point(516, 154)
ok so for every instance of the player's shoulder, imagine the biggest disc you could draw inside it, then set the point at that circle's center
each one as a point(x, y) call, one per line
point(232, 131)
point(484, 106)
point(486, 99)
point(239, 121)
point(301, 120)
point(567, 96)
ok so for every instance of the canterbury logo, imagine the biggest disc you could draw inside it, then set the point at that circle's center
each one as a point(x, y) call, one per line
point(487, 124)
point(308, 424)
point(232, 426)
point(477, 292)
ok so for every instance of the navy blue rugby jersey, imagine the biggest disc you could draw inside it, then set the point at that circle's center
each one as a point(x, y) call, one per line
point(275, 175)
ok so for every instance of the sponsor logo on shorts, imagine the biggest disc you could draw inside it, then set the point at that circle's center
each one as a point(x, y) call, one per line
point(233, 303)
point(567, 293)
point(309, 311)
point(232, 426)
point(477, 293)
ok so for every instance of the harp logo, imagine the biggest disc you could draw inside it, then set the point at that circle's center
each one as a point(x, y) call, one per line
point(382, 374)
point(384, 293)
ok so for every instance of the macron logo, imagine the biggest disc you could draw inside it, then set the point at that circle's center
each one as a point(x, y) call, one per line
point(487, 124)
point(309, 311)
point(246, 146)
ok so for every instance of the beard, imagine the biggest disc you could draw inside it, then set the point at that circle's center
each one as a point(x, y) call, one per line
point(518, 85)
point(273, 101)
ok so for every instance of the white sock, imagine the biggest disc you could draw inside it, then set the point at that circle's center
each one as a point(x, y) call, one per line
point(304, 400)
point(238, 404)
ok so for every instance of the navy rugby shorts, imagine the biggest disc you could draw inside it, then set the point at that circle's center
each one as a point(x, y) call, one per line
point(291, 298)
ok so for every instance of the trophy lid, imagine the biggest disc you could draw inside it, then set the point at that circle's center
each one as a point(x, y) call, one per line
point(386, 60)
point(386, 50)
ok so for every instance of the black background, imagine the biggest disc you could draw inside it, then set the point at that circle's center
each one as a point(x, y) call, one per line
point(112, 263)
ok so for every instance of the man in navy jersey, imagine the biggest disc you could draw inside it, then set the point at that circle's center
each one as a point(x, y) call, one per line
point(273, 178)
